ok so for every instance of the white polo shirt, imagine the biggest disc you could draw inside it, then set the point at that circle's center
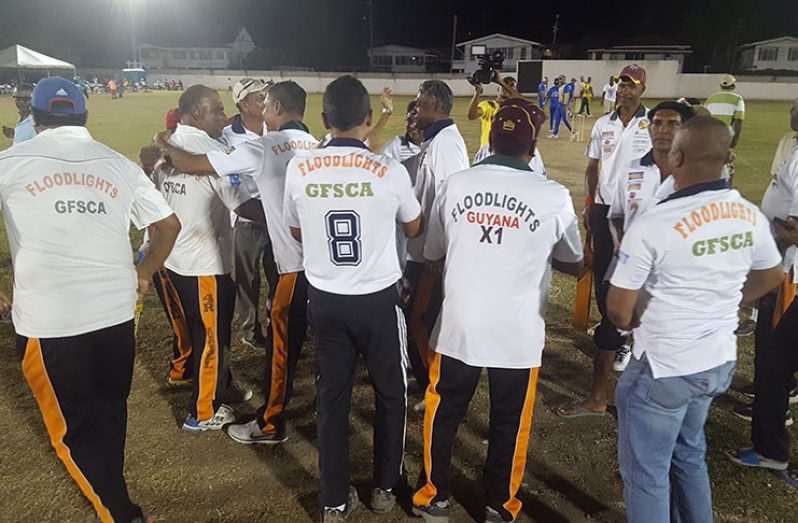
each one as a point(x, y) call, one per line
point(499, 229)
point(265, 161)
point(442, 153)
point(640, 187)
point(536, 163)
point(68, 202)
point(204, 246)
point(690, 255)
point(401, 148)
point(610, 92)
point(235, 134)
point(347, 201)
point(787, 145)
point(781, 200)
point(616, 147)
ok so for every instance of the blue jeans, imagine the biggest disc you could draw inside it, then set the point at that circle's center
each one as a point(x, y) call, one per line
point(661, 443)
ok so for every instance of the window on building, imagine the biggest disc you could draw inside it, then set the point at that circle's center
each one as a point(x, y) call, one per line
point(792, 54)
point(523, 53)
point(192, 55)
point(220, 55)
point(768, 54)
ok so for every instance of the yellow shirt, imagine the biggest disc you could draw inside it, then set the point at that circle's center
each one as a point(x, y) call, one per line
point(587, 91)
point(488, 110)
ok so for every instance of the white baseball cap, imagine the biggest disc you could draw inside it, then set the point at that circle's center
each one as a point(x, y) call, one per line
point(727, 80)
point(247, 86)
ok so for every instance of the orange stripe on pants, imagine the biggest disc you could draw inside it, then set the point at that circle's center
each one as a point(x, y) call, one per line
point(174, 308)
point(513, 505)
point(209, 363)
point(433, 400)
point(785, 297)
point(281, 308)
point(36, 374)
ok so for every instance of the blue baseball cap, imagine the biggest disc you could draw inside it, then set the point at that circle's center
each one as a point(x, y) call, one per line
point(55, 95)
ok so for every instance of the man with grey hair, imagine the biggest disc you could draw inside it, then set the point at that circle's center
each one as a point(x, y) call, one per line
point(443, 152)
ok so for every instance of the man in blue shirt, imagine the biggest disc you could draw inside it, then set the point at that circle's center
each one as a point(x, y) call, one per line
point(542, 88)
point(553, 97)
point(24, 128)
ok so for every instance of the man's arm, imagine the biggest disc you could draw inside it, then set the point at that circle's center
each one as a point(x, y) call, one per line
point(621, 304)
point(252, 210)
point(413, 229)
point(296, 232)
point(759, 283)
point(182, 161)
point(374, 138)
point(574, 268)
point(591, 185)
point(162, 234)
point(737, 126)
point(474, 111)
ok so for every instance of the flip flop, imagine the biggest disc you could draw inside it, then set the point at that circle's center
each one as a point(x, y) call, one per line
point(576, 410)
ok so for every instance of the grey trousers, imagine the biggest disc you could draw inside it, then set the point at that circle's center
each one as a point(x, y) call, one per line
point(252, 248)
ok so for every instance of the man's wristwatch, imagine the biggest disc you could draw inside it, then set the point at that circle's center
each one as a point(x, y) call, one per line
point(385, 110)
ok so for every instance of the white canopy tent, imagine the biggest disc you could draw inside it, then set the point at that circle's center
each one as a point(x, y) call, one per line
point(19, 57)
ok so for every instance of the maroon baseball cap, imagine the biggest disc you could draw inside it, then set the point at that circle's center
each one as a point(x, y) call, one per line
point(519, 119)
point(635, 73)
point(172, 118)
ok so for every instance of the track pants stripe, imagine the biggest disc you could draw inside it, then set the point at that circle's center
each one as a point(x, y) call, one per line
point(174, 308)
point(432, 399)
point(513, 504)
point(209, 364)
point(36, 374)
point(281, 309)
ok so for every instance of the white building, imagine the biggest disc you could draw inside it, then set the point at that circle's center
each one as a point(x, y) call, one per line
point(514, 49)
point(400, 59)
point(776, 54)
point(220, 56)
point(638, 53)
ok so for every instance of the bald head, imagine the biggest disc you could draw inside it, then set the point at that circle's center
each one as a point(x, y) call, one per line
point(699, 151)
point(201, 107)
point(193, 96)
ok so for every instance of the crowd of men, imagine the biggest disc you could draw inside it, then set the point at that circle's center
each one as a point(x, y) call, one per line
point(379, 253)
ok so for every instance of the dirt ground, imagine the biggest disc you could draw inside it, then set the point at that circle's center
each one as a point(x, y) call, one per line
point(571, 474)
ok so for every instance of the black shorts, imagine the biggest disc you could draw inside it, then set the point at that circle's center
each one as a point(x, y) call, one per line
point(606, 336)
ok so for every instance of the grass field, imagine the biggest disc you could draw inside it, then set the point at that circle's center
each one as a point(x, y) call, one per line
point(572, 472)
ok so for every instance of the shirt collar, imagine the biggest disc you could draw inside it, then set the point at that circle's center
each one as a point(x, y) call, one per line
point(648, 159)
point(507, 161)
point(238, 125)
point(70, 131)
point(346, 142)
point(641, 111)
point(433, 130)
point(297, 125)
point(716, 185)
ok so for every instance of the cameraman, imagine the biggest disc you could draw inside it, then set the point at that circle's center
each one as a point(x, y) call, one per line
point(484, 110)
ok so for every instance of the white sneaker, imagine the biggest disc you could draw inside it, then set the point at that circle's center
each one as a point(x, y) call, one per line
point(249, 433)
point(222, 417)
point(622, 358)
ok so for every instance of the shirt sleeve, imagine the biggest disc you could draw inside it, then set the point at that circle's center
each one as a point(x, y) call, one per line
point(739, 111)
point(635, 258)
point(435, 242)
point(235, 190)
point(409, 208)
point(788, 175)
point(594, 146)
point(148, 205)
point(447, 160)
point(245, 158)
point(290, 213)
point(568, 248)
point(766, 252)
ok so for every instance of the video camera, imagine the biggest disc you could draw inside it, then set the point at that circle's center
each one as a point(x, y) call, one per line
point(488, 65)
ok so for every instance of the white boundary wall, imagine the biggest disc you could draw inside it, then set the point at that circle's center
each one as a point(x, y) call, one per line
point(663, 80)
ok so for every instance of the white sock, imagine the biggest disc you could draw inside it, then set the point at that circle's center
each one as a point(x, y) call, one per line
point(339, 507)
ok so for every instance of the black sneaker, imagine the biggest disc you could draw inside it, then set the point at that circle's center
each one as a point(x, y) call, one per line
point(334, 515)
point(746, 412)
point(382, 501)
point(748, 392)
point(437, 512)
point(492, 516)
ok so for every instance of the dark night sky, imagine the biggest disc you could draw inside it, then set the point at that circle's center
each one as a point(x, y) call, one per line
point(335, 33)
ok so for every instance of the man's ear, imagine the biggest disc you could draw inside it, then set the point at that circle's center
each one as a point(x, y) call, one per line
point(278, 108)
point(368, 119)
point(324, 121)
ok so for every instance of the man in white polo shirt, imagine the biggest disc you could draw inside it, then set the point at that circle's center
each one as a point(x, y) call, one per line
point(68, 202)
point(518, 226)
point(265, 160)
point(343, 202)
point(608, 95)
point(251, 244)
point(443, 152)
point(23, 131)
point(199, 266)
point(617, 139)
point(684, 267)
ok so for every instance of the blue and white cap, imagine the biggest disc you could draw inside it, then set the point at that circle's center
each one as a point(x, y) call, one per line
point(58, 96)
